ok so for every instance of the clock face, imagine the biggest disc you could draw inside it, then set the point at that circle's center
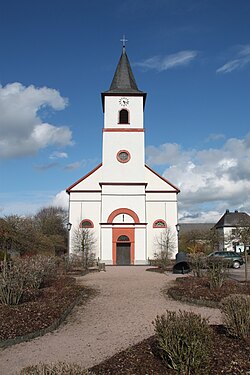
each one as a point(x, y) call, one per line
point(123, 102)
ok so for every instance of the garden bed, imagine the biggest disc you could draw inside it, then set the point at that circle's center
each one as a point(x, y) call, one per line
point(229, 356)
point(197, 290)
point(41, 310)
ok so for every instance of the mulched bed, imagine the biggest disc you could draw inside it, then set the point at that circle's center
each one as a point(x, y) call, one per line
point(197, 288)
point(40, 308)
point(229, 356)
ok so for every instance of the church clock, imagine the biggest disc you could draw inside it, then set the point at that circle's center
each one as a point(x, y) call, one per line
point(123, 102)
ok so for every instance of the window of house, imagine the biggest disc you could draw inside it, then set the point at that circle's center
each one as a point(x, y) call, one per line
point(159, 223)
point(86, 223)
point(123, 117)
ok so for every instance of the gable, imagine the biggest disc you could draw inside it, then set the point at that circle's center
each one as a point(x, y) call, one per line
point(89, 182)
point(156, 182)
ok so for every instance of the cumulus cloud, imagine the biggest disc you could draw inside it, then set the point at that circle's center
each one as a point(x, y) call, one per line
point(241, 59)
point(61, 200)
point(23, 131)
point(161, 63)
point(210, 180)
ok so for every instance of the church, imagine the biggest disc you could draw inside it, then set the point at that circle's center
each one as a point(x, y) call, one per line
point(124, 203)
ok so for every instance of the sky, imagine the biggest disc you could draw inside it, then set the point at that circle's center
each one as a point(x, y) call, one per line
point(192, 57)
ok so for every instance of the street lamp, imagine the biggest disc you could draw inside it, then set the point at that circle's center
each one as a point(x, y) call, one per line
point(68, 225)
point(177, 230)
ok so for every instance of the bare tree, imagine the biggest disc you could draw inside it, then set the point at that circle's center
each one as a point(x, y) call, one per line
point(84, 244)
point(241, 236)
point(165, 244)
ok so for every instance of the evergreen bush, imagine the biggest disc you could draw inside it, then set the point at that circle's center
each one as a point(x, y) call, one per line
point(184, 341)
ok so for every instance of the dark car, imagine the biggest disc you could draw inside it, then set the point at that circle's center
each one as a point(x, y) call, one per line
point(235, 259)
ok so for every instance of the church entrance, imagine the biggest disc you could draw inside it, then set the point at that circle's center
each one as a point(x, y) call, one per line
point(123, 246)
point(123, 254)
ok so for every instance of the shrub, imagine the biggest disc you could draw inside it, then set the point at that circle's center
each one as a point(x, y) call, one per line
point(184, 341)
point(24, 273)
point(59, 368)
point(236, 315)
point(197, 263)
point(217, 270)
point(12, 283)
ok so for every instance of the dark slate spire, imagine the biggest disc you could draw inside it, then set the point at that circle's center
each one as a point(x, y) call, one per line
point(124, 80)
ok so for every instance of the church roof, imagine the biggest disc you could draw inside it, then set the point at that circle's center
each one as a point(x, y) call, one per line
point(233, 219)
point(124, 81)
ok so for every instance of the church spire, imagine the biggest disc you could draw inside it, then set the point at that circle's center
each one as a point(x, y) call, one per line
point(124, 81)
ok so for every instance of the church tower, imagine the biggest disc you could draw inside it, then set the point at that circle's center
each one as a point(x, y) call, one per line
point(124, 203)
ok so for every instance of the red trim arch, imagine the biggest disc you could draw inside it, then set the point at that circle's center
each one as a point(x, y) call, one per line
point(130, 233)
point(88, 226)
point(163, 222)
point(123, 211)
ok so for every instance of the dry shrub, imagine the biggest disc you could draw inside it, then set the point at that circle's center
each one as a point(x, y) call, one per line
point(12, 283)
point(236, 315)
point(59, 368)
point(217, 271)
point(197, 262)
point(24, 273)
point(184, 341)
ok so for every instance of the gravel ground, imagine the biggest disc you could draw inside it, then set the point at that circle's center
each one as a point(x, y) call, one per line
point(120, 315)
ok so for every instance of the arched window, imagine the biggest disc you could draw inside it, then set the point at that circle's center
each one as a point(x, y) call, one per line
point(123, 238)
point(123, 117)
point(159, 223)
point(86, 223)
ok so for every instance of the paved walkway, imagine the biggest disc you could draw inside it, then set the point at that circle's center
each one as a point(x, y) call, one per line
point(120, 315)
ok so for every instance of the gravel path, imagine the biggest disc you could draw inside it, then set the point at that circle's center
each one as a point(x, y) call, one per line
point(120, 315)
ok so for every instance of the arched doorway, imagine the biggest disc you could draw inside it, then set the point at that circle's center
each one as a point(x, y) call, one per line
point(123, 247)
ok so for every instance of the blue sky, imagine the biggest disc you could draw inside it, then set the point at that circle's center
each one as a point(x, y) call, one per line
point(192, 57)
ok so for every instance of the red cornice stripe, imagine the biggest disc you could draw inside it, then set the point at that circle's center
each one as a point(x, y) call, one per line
point(83, 178)
point(160, 191)
point(86, 191)
point(176, 188)
point(123, 183)
point(122, 224)
point(132, 130)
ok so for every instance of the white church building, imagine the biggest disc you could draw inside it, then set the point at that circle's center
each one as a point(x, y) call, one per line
point(123, 201)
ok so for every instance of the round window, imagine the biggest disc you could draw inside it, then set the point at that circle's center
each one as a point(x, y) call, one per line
point(123, 156)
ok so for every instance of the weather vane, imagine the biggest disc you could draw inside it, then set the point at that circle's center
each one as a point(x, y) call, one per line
point(123, 40)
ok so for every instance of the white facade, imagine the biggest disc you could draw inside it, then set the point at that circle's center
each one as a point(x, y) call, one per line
point(122, 199)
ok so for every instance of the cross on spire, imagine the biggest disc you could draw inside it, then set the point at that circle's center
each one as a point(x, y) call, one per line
point(123, 40)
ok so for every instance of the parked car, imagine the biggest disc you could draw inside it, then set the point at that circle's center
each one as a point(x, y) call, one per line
point(236, 260)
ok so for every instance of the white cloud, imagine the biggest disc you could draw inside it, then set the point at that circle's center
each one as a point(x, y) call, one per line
point(22, 130)
point(242, 59)
point(61, 200)
point(160, 64)
point(58, 155)
point(210, 180)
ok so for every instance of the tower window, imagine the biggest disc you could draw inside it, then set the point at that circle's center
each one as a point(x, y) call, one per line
point(123, 116)
point(160, 224)
point(123, 156)
point(86, 223)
